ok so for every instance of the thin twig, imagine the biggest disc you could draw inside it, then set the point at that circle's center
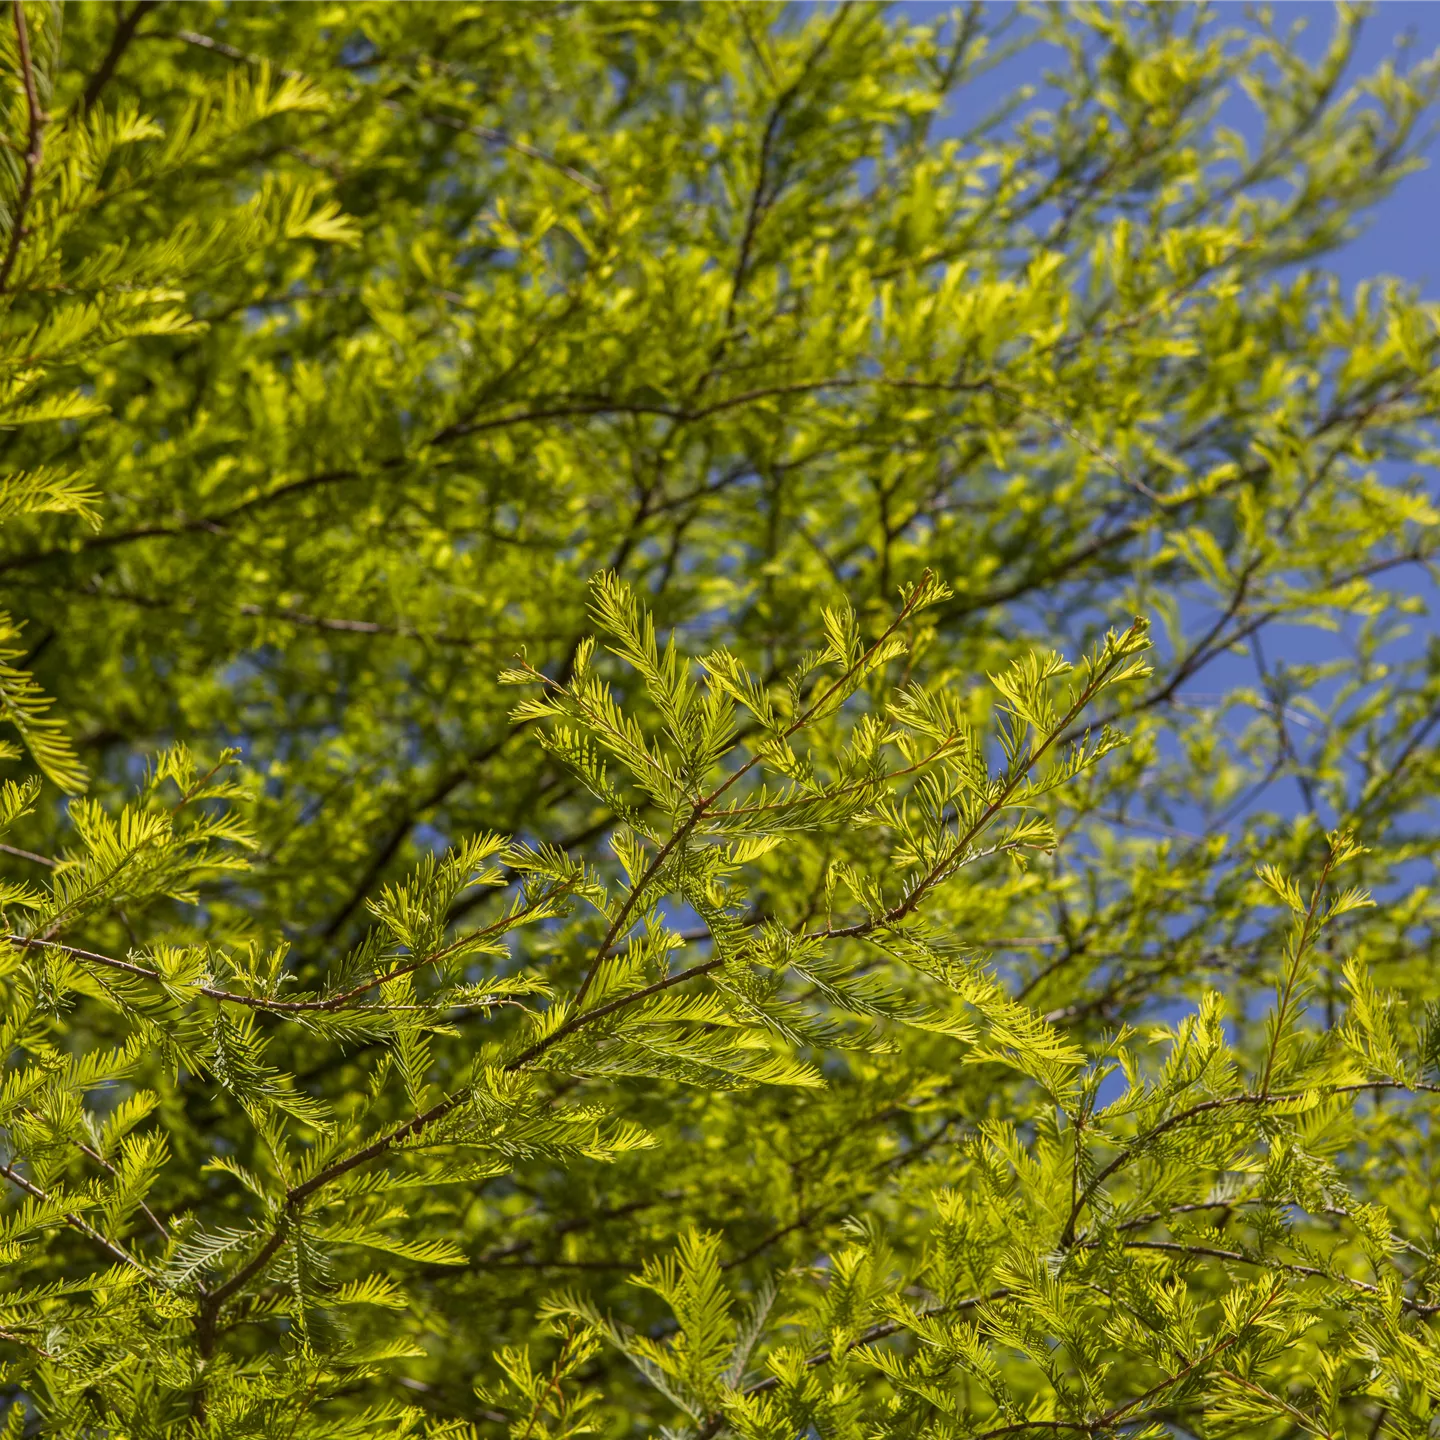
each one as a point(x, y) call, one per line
point(273, 1005)
point(73, 1220)
point(28, 855)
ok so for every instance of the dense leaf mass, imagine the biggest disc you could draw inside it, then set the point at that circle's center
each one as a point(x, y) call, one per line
point(593, 840)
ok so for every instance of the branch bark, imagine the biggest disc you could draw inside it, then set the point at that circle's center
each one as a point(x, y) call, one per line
point(34, 149)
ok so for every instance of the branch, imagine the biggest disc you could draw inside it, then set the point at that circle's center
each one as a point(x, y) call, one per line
point(116, 1252)
point(188, 526)
point(760, 200)
point(1122, 1413)
point(1100, 1424)
point(481, 132)
point(701, 806)
point(1204, 1107)
point(124, 34)
point(457, 776)
point(276, 1006)
point(297, 1194)
point(35, 146)
point(161, 1228)
point(866, 1337)
point(1217, 639)
point(499, 137)
point(1207, 1252)
point(955, 856)
point(390, 846)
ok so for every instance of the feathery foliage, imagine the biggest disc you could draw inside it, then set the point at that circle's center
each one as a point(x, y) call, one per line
point(592, 842)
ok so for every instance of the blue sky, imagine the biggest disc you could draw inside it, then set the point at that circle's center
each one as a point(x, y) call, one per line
point(1401, 239)
point(1404, 237)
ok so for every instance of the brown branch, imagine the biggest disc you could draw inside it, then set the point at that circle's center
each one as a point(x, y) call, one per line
point(1122, 1412)
point(593, 407)
point(272, 1005)
point(124, 34)
point(1218, 639)
point(1100, 1424)
point(422, 1121)
point(457, 776)
point(187, 526)
point(34, 149)
point(1130, 1152)
point(390, 846)
point(704, 804)
point(413, 1127)
point(621, 1002)
point(1133, 1150)
point(219, 47)
point(160, 1226)
point(116, 1252)
point(486, 133)
point(29, 855)
point(1209, 1252)
point(760, 199)
point(867, 1337)
point(957, 853)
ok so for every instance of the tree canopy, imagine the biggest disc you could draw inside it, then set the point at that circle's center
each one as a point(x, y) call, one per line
point(706, 737)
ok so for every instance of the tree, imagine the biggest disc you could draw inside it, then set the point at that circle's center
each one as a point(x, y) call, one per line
point(805, 1003)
